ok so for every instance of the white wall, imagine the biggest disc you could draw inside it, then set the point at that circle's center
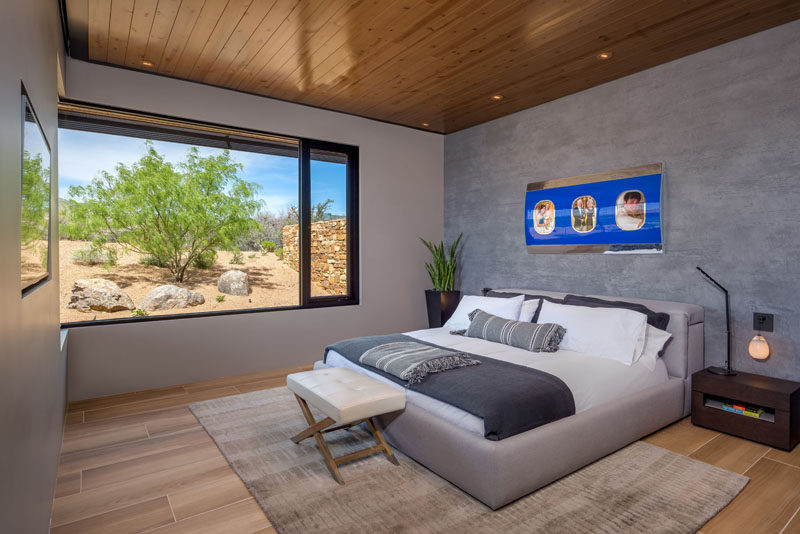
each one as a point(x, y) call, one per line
point(401, 198)
point(32, 368)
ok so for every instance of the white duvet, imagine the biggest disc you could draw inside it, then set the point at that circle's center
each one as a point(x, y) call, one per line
point(592, 380)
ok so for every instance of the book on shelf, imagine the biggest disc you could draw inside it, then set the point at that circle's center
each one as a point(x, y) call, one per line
point(729, 408)
point(753, 411)
point(741, 409)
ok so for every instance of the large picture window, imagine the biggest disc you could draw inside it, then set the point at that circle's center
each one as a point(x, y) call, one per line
point(163, 218)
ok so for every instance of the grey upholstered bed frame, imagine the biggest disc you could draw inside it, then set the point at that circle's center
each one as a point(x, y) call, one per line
point(499, 472)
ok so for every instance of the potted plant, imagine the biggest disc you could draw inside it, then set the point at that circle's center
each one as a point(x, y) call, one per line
point(442, 299)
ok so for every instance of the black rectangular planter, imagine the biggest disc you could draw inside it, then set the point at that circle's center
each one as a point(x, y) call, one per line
point(441, 305)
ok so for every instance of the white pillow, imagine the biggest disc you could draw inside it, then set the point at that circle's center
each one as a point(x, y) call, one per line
point(528, 310)
point(505, 308)
point(654, 342)
point(613, 333)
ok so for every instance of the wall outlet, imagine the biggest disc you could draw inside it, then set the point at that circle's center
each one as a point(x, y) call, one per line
point(763, 322)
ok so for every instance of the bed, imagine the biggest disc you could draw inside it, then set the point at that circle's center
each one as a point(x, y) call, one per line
point(614, 406)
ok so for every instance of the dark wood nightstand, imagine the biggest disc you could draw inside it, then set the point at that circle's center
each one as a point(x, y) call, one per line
point(778, 426)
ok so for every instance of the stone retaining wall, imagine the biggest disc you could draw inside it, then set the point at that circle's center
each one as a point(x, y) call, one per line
point(328, 254)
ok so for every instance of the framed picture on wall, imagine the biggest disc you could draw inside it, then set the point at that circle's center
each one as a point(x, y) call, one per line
point(615, 212)
point(35, 222)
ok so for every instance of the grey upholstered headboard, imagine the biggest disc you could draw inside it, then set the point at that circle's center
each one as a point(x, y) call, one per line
point(684, 353)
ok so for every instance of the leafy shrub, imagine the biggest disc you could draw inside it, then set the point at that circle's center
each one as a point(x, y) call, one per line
point(88, 256)
point(151, 261)
point(138, 312)
point(279, 253)
point(220, 298)
point(67, 229)
point(35, 198)
point(237, 257)
point(110, 257)
point(268, 246)
point(198, 204)
point(96, 254)
point(269, 227)
point(205, 260)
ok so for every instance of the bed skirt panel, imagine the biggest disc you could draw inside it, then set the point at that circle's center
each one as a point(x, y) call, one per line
point(499, 472)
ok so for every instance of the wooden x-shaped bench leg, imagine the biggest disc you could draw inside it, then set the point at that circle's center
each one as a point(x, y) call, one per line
point(316, 428)
point(382, 442)
point(313, 429)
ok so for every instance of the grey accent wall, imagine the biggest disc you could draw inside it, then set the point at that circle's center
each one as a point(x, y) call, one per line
point(726, 124)
point(32, 367)
point(401, 190)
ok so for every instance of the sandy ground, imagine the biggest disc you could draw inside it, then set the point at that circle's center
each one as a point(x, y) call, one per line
point(31, 266)
point(271, 282)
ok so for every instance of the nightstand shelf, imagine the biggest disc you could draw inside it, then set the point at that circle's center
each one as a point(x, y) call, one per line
point(778, 426)
point(712, 401)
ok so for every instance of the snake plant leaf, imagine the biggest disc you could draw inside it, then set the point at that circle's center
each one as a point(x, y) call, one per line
point(443, 267)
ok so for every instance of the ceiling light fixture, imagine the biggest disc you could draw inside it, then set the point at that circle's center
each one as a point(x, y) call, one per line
point(146, 63)
point(425, 124)
point(497, 97)
point(605, 55)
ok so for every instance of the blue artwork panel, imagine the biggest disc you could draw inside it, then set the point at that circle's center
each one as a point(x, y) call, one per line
point(596, 213)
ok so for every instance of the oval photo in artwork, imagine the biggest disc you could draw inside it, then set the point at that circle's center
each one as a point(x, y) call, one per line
point(584, 214)
point(544, 217)
point(630, 210)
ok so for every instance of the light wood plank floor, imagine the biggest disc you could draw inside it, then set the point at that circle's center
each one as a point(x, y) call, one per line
point(140, 462)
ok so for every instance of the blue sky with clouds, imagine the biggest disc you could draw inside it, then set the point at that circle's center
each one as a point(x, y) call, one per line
point(35, 144)
point(82, 155)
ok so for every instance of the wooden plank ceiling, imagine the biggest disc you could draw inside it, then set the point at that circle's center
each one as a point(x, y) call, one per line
point(434, 64)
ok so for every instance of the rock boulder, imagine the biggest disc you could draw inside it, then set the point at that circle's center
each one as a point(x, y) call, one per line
point(168, 297)
point(234, 282)
point(99, 294)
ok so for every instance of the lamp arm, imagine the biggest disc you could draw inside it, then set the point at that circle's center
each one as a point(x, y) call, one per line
point(728, 327)
point(712, 280)
point(728, 332)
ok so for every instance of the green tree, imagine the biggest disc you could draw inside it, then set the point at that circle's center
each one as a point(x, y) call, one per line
point(270, 228)
point(171, 213)
point(319, 212)
point(35, 199)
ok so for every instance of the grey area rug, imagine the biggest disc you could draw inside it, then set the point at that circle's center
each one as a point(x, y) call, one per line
point(641, 488)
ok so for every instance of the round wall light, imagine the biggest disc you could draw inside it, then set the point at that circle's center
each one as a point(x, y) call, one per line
point(758, 348)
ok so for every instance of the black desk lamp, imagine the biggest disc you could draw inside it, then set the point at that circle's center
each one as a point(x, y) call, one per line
point(725, 371)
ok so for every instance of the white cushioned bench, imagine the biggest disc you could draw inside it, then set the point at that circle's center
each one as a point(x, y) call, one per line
point(347, 398)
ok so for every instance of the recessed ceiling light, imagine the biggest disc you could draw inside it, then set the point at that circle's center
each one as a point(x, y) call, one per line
point(146, 63)
point(605, 55)
point(425, 124)
point(497, 97)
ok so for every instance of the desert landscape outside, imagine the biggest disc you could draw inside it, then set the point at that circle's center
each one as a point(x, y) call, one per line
point(150, 228)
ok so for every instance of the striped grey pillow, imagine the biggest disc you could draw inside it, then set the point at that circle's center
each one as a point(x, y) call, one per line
point(529, 336)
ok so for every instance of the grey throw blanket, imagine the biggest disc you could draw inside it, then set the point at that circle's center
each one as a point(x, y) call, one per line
point(509, 398)
point(412, 361)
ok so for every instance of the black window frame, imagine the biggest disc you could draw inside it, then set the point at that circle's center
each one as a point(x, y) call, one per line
point(306, 146)
point(105, 119)
point(27, 103)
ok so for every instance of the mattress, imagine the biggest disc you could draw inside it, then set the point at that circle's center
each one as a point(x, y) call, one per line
point(592, 380)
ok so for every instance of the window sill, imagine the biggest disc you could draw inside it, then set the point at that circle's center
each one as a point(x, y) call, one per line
point(323, 302)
